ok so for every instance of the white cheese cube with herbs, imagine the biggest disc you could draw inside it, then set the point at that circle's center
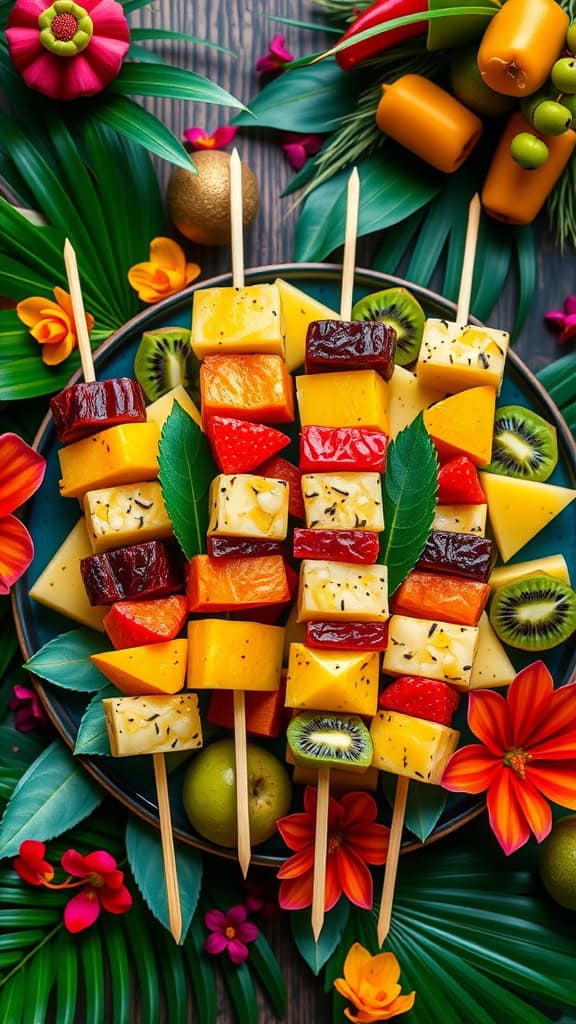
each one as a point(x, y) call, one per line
point(342, 592)
point(116, 516)
point(437, 650)
point(246, 505)
point(461, 519)
point(343, 501)
point(152, 725)
point(454, 357)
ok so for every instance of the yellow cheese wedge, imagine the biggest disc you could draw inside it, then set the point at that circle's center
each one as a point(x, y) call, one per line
point(298, 311)
point(60, 585)
point(434, 649)
point(117, 516)
point(412, 747)
point(244, 320)
point(344, 681)
point(231, 655)
point(550, 565)
point(343, 501)
point(408, 397)
point(491, 666)
point(125, 454)
point(152, 668)
point(342, 591)
point(294, 632)
point(461, 519)
point(463, 424)
point(247, 505)
point(152, 725)
point(519, 509)
point(159, 411)
point(458, 356)
point(357, 398)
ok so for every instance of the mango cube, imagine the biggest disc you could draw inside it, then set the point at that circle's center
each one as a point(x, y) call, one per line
point(159, 411)
point(298, 311)
point(60, 585)
point(126, 454)
point(246, 505)
point(341, 681)
point(519, 509)
point(458, 356)
point(116, 516)
point(461, 519)
point(152, 725)
point(463, 424)
point(408, 397)
point(434, 649)
point(231, 655)
point(237, 320)
point(343, 501)
point(356, 398)
point(412, 747)
point(342, 591)
point(491, 666)
point(151, 668)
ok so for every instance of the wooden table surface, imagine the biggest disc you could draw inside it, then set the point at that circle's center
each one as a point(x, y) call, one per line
point(246, 29)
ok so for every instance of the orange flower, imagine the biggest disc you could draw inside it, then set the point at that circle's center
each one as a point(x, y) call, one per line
point(527, 755)
point(354, 840)
point(21, 473)
point(52, 325)
point(371, 984)
point(165, 274)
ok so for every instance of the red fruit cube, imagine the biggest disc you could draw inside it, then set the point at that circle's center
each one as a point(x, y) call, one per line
point(280, 469)
point(430, 699)
point(360, 449)
point(136, 623)
point(458, 483)
point(239, 446)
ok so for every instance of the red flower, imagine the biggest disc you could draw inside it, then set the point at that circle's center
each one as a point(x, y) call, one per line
point(276, 58)
point(30, 863)
point(28, 711)
point(104, 888)
point(298, 147)
point(230, 931)
point(354, 840)
point(527, 755)
point(219, 139)
point(564, 320)
point(21, 473)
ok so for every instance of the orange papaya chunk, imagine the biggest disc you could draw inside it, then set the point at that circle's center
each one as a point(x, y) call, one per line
point(224, 584)
point(463, 424)
point(427, 595)
point(258, 388)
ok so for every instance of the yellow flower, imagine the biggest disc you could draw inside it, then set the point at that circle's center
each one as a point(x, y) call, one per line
point(52, 325)
point(371, 984)
point(165, 274)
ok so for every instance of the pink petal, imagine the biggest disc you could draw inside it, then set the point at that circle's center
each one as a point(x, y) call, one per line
point(27, 12)
point(192, 135)
point(16, 552)
point(247, 932)
point(556, 317)
point(569, 329)
point(215, 943)
point(570, 305)
point(79, 78)
point(116, 901)
point(74, 864)
point(105, 57)
point(215, 920)
point(82, 910)
point(21, 472)
point(224, 135)
point(278, 49)
point(236, 915)
point(237, 951)
point(109, 20)
point(295, 154)
point(24, 45)
point(100, 862)
point(44, 74)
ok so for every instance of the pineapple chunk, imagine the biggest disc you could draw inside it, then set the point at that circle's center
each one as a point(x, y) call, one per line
point(519, 509)
point(408, 397)
point(246, 505)
point(116, 516)
point(454, 357)
point(355, 398)
point(343, 501)
point(233, 655)
point(342, 592)
point(159, 411)
point(437, 650)
point(124, 454)
point(491, 666)
point(550, 565)
point(298, 311)
point(237, 320)
point(152, 725)
point(345, 681)
point(461, 519)
point(60, 586)
point(412, 747)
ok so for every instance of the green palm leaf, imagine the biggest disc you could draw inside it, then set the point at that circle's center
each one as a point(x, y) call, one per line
point(150, 34)
point(174, 83)
point(135, 123)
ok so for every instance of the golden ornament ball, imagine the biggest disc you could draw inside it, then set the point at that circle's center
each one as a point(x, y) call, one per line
point(199, 204)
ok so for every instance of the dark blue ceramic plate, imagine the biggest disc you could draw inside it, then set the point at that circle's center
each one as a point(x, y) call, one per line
point(50, 519)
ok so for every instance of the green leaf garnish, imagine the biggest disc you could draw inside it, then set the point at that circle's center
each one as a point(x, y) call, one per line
point(317, 953)
point(423, 808)
point(409, 498)
point(186, 472)
point(65, 661)
point(92, 735)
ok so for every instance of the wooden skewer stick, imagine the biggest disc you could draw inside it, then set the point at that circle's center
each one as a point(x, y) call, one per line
point(349, 260)
point(240, 753)
point(465, 291)
point(320, 842)
point(391, 869)
point(166, 833)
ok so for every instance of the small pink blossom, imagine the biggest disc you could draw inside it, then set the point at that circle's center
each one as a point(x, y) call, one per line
point(28, 711)
point(564, 320)
point(230, 931)
point(30, 864)
point(276, 58)
point(219, 139)
point(297, 148)
point(104, 888)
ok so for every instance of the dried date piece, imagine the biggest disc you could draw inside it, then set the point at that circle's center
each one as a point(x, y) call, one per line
point(240, 547)
point(348, 636)
point(85, 408)
point(458, 554)
point(358, 546)
point(151, 569)
point(350, 345)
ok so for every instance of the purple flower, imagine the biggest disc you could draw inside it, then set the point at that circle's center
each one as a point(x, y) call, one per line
point(564, 320)
point(28, 711)
point(198, 139)
point(276, 58)
point(297, 148)
point(230, 931)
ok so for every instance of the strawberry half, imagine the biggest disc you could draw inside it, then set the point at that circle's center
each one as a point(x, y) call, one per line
point(239, 446)
point(458, 483)
point(422, 698)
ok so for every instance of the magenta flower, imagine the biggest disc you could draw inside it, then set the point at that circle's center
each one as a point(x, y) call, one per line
point(219, 139)
point(28, 711)
point(65, 50)
point(276, 58)
point(230, 931)
point(297, 148)
point(104, 888)
point(30, 864)
point(564, 320)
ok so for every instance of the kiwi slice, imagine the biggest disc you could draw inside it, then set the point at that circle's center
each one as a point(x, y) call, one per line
point(316, 738)
point(398, 308)
point(534, 613)
point(164, 359)
point(524, 444)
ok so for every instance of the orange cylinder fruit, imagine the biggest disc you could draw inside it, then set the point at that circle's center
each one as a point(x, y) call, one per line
point(428, 121)
point(520, 45)
point(514, 194)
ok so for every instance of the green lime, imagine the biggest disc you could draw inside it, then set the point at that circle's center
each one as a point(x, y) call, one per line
point(563, 75)
point(557, 862)
point(571, 37)
point(528, 151)
point(551, 118)
point(469, 87)
point(570, 103)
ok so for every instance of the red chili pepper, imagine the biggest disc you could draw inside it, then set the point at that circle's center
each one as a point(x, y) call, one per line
point(361, 449)
point(379, 13)
point(348, 636)
point(357, 546)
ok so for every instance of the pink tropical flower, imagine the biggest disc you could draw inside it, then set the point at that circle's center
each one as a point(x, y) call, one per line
point(104, 888)
point(28, 711)
point(30, 864)
point(219, 139)
point(65, 50)
point(276, 58)
point(231, 931)
point(21, 473)
point(564, 320)
point(297, 148)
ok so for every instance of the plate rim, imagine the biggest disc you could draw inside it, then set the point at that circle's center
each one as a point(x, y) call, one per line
point(329, 271)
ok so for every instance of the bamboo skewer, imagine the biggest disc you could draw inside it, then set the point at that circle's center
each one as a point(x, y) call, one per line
point(349, 259)
point(465, 291)
point(166, 832)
